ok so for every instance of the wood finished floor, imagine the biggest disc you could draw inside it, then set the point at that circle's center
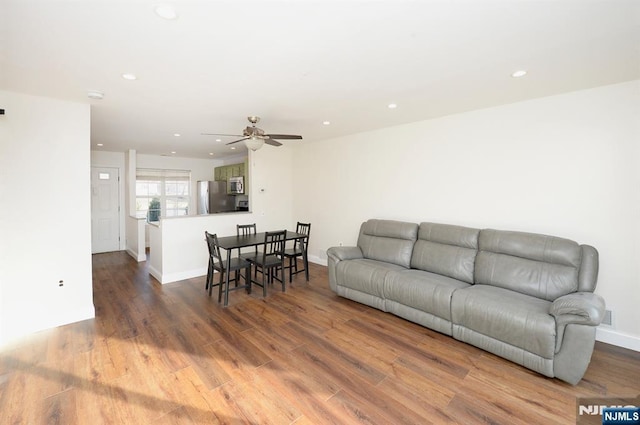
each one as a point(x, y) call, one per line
point(169, 354)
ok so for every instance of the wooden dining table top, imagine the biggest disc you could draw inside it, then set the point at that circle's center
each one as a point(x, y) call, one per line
point(232, 242)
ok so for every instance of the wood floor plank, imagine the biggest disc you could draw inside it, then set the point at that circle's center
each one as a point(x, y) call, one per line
point(359, 386)
point(59, 409)
point(511, 399)
point(358, 411)
point(470, 410)
point(338, 356)
point(258, 403)
point(309, 394)
point(420, 398)
point(170, 354)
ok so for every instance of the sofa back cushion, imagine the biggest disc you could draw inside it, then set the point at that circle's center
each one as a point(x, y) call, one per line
point(388, 240)
point(543, 266)
point(446, 250)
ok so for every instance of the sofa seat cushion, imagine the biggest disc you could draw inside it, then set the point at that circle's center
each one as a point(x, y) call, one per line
point(511, 317)
point(424, 291)
point(364, 275)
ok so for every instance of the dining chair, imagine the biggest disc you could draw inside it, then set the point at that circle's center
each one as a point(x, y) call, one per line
point(217, 263)
point(246, 230)
point(271, 260)
point(299, 250)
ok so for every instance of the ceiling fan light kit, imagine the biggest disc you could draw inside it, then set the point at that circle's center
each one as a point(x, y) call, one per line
point(254, 137)
point(254, 143)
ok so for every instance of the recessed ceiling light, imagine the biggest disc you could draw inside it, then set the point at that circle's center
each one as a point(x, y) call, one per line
point(520, 73)
point(173, 152)
point(176, 134)
point(218, 140)
point(95, 94)
point(233, 148)
point(100, 144)
point(326, 122)
point(129, 76)
point(211, 153)
point(166, 11)
point(392, 106)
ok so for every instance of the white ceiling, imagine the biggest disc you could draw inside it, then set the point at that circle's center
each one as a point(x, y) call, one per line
point(298, 63)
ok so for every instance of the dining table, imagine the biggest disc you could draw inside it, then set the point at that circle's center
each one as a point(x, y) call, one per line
point(229, 243)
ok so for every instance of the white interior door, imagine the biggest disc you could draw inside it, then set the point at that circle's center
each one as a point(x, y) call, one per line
point(105, 210)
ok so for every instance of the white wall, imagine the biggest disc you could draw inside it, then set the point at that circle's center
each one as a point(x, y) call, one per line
point(566, 165)
point(45, 223)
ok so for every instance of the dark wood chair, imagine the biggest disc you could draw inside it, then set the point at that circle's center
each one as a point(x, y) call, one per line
point(299, 250)
point(217, 263)
point(246, 230)
point(271, 260)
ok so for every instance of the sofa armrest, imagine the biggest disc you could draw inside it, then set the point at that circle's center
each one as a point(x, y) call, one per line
point(578, 308)
point(337, 254)
point(582, 308)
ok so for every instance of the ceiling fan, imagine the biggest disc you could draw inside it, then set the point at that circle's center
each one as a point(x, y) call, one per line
point(255, 137)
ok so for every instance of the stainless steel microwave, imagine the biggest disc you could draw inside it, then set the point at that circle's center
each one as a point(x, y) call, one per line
point(235, 186)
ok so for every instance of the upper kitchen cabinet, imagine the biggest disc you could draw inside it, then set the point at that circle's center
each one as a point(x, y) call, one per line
point(224, 172)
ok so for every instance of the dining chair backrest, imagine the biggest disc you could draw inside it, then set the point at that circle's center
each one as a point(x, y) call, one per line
point(274, 243)
point(214, 248)
point(304, 229)
point(246, 230)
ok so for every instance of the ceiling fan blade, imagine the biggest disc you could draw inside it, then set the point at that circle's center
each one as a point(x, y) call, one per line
point(239, 140)
point(272, 142)
point(218, 134)
point(283, 136)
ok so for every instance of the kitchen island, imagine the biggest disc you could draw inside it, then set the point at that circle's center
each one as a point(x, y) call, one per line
point(177, 248)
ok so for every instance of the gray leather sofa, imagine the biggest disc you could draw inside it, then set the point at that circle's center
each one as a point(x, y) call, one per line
point(522, 296)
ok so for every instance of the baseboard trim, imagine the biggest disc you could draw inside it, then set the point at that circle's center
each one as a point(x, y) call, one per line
point(139, 257)
point(317, 260)
point(155, 273)
point(619, 339)
point(86, 313)
point(174, 277)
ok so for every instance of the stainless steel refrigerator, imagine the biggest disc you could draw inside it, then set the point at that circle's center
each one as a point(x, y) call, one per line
point(213, 198)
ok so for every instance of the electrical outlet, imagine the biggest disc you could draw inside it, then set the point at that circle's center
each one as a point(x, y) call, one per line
point(608, 318)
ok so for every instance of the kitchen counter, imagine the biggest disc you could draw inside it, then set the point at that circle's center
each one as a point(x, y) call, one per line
point(177, 247)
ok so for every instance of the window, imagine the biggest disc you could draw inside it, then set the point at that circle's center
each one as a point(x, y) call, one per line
point(162, 193)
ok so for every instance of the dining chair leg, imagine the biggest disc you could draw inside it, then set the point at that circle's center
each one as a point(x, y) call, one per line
point(305, 263)
point(247, 278)
point(226, 289)
point(220, 286)
point(264, 282)
point(209, 275)
point(283, 280)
